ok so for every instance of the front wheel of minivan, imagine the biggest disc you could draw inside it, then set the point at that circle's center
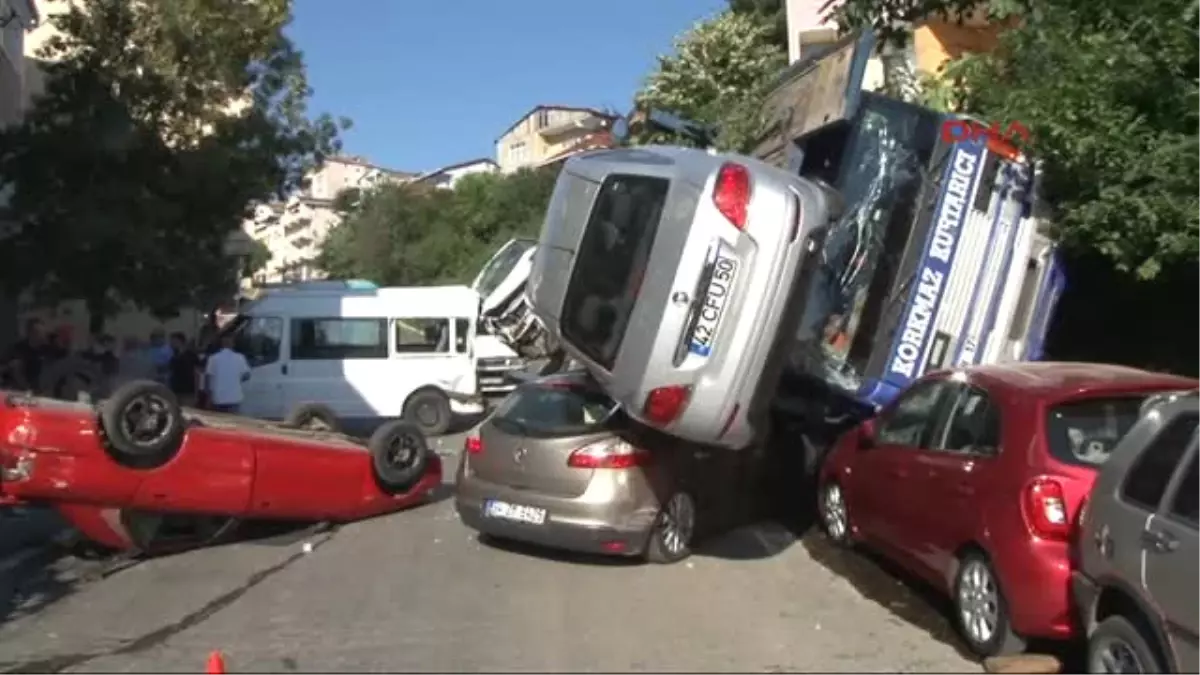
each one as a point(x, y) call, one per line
point(429, 410)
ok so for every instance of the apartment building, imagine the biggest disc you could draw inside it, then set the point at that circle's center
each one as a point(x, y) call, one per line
point(933, 43)
point(448, 176)
point(293, 230)
point(550, 133)
point(16, 17)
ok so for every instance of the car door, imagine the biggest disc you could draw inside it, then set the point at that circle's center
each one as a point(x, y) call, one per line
point(261, 340)
point(882, 491)
point(1170, 541)
point(950, 478)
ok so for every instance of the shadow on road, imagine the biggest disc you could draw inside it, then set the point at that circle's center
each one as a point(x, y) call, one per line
point(757, 541)
point(556, 555)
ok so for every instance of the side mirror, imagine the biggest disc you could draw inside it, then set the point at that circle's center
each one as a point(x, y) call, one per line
point(866, 435)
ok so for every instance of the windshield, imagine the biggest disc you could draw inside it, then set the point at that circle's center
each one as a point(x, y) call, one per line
point(1084, 432)
point(554, 409)
point(878, 168)
point(500, 266)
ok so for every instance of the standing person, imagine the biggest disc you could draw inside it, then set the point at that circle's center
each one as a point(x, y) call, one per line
point(160, 354)
point(224, 373)
point(135, 361)
point(184, 362)
point(206, 346)
point(28, 356)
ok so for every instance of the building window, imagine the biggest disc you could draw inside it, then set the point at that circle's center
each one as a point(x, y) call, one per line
point(518, 152)
point(543, 118)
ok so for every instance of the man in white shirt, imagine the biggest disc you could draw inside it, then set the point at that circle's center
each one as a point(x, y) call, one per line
point(224, 373)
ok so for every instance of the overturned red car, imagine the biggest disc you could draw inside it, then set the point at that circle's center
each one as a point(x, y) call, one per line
point(138, 470)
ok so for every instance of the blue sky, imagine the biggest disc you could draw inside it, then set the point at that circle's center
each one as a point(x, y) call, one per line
point(434, 82)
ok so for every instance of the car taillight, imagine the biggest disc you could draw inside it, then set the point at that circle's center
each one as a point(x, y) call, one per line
point(731, 195)
point(664, 404)
point(473, 445)
point(1045, 509)
point(608, 455)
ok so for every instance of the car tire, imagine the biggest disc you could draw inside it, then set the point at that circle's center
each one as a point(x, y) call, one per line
point(429, 410)
point(399, 456)
point(979, 601)
point(312, 417)
point(834, 513)
point(673, 531)
point(1120, 640)
point(142, 424)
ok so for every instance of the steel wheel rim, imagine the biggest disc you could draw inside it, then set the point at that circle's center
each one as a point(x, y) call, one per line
point(1114, 655)
point(428, 414)
point(833, 512)
point(678, 521)
point(146, 420)
point(402, 451)
point(978, 602)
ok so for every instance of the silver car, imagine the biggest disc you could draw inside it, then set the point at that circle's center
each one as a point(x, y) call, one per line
point(667, 272)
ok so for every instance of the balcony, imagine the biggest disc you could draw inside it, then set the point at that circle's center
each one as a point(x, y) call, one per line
point(556, 128)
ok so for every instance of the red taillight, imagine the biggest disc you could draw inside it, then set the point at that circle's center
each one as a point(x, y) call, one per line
point(731, 195)
point(664, 404)
point(1045, 509)
point(608, 455)
point(473, 445)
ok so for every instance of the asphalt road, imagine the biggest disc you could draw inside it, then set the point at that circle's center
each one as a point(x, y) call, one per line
point(416, 591)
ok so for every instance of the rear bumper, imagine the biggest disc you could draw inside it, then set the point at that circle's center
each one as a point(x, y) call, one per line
point(1037, 583)
point(587, 523)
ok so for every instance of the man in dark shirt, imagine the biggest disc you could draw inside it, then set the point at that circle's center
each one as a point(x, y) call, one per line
point(182, 368)
point(28, 356)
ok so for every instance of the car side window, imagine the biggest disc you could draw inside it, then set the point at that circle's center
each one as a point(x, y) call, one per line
point(462, 329)
point(974, 426)
point(259, 340)
point(422, 336)
point(1147, 479)
point(338, 338)
point(1184, 505)
point(912, 419)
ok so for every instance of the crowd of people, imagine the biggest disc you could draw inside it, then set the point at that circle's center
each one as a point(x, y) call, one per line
point(205, 372)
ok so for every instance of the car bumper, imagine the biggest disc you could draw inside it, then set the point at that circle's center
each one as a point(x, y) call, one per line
point(588, 523)
point(1084, 592)
point(1037, 583)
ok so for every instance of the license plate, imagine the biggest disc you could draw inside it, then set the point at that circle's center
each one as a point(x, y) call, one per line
point(495, 508)
point(712, 306)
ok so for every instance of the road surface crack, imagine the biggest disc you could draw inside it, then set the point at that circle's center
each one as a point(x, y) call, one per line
point(61, 662)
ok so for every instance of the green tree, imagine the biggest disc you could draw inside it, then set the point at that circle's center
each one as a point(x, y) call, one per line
point(413, 234)
point(161, 123)
point(1108, 89)
point(774, 12)
point(718, 74)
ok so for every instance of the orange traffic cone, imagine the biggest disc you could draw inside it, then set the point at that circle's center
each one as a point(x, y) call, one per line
point(216, 664)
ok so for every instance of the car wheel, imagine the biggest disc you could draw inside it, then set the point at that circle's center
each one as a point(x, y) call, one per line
point(399, 455)
point(142, 424)
point(671, 537)
point(981, 610)
point(429, 410)
point(1118, 646)
point(312, 417)
point(835, 513)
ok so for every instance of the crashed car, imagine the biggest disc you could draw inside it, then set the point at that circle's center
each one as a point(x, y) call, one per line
point(137, 471)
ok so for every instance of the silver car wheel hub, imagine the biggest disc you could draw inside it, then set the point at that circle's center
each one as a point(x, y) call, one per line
point(978, 602)
point(1114, 655)
point(678, 521)
point(833, 511)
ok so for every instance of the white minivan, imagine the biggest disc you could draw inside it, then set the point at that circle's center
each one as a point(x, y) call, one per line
point(336, 353)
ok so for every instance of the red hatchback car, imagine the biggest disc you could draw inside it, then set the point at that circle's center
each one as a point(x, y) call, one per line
point(972, 479)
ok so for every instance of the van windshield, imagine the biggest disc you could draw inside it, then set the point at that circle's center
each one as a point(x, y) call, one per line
point(494, 273)
point(610, 263)
point(877, 165)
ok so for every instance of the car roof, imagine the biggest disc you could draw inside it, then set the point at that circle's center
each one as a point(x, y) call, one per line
point(1050, 379)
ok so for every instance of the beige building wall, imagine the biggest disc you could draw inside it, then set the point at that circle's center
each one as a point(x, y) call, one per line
point(544, 133)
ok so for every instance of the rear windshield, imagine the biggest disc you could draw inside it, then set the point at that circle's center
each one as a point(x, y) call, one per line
point(610, 263)
point(1084, 433)
point(542, 409)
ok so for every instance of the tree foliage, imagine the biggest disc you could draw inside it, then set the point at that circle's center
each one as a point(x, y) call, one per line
point(773, 12)
point(413, 234)
point(718, 73)
point(160, 124)
point(1109, 90)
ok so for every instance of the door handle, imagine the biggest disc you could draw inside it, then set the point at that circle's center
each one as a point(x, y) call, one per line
point(283, 369)
point(1159, 541)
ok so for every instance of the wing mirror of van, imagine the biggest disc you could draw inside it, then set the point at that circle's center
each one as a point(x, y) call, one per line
point(866, 435)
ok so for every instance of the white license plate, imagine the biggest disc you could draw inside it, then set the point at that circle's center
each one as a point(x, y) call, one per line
point(494, 508)
point(712, 306)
